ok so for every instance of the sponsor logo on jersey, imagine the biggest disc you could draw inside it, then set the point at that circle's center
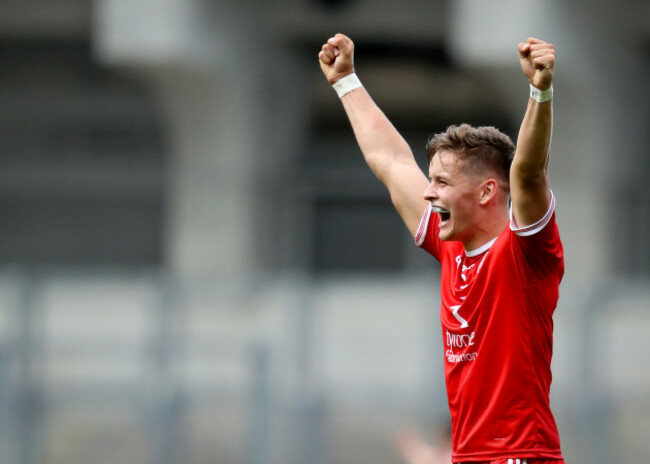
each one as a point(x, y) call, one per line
point(455, 342)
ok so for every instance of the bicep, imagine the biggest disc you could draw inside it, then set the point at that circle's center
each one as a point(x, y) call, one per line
point(530, 196)
point(406, 184)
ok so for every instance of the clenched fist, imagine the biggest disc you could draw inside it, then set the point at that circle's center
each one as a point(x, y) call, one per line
point(337, 58)
point(537, 59)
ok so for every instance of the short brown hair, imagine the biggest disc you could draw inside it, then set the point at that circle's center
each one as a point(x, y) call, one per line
point(482, 148)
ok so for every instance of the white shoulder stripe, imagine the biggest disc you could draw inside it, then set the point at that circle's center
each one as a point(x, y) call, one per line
point(422, 228)
point(533, 228)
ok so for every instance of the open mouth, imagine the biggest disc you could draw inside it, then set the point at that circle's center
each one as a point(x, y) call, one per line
point(444, 214)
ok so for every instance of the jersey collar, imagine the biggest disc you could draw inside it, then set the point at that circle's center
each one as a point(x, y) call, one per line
point(480, 250)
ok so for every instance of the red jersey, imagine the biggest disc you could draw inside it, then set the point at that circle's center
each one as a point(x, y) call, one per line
point(497, 331)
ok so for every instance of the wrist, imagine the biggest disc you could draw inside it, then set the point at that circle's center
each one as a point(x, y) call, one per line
point(346, 84)
point(541, 96)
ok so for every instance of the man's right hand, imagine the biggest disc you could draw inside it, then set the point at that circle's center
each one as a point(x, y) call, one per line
point(337, 58)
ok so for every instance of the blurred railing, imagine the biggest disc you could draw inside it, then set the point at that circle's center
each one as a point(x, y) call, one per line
point(145, 367)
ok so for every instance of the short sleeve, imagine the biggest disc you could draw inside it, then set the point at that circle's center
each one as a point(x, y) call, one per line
point(537, 248)
point(426, 236)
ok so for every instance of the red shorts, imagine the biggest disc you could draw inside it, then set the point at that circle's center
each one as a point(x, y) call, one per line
point(519, 461)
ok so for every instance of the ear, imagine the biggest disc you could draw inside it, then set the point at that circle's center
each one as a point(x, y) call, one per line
point(488, 191)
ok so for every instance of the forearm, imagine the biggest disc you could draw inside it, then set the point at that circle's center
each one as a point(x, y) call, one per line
point(380, 143)
point(533, 143)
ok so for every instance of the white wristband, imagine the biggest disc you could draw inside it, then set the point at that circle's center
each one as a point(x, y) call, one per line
point(346, 84)
point(541, 95)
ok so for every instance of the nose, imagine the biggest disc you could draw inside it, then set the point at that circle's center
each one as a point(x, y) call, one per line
point(430, 193)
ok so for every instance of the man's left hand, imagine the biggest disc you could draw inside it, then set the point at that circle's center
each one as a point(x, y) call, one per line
point(537, 59)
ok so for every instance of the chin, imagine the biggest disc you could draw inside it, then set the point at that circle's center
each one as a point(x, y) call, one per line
point(449, 234)
point(446, 236)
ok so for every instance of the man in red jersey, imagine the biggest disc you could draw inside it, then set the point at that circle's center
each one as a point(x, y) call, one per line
point(487, 213)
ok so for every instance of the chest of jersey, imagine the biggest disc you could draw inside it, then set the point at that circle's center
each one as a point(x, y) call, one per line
point(479, 312)
point(462, 282)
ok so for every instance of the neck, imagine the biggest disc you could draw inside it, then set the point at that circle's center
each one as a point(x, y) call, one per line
point(488, 228)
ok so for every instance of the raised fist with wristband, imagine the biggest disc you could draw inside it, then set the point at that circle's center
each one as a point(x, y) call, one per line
point(537, 60)
point(485, 210)
point(337, 63)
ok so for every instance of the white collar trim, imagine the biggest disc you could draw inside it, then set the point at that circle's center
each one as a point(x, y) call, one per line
point(480, 250)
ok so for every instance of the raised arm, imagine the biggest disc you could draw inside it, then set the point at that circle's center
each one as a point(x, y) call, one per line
point(529, 185)
point(384, 149)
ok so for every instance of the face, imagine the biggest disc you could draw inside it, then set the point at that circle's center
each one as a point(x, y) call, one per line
point(455, 191)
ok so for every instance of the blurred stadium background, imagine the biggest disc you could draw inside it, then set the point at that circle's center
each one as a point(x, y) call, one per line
point(197, 267)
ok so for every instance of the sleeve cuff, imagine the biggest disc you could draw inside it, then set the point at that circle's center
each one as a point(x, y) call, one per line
point(533, 228)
